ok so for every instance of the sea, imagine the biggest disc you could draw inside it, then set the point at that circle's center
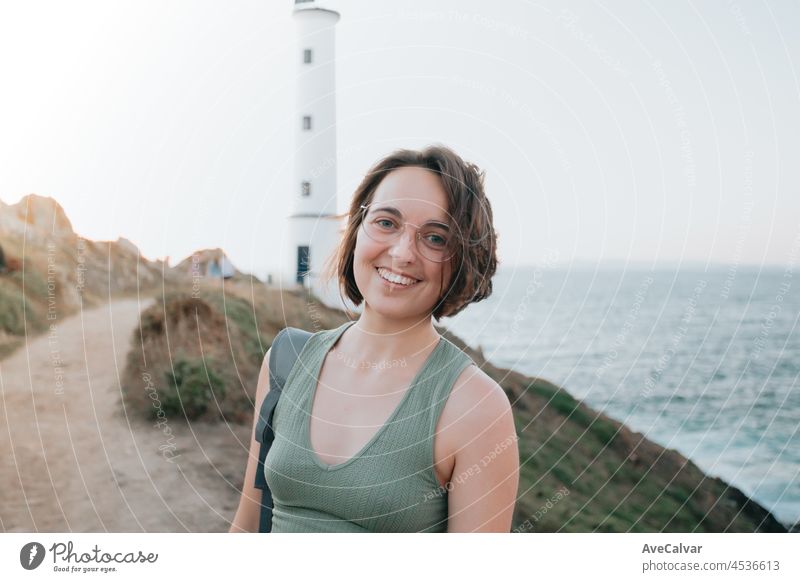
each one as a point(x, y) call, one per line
point(703, 360)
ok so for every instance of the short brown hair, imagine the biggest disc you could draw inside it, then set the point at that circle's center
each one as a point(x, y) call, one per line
point(475, 260)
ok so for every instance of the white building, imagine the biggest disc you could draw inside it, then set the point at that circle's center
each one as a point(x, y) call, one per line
point(313, 231)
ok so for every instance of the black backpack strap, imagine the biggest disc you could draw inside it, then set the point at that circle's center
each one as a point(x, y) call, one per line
point(286, 348)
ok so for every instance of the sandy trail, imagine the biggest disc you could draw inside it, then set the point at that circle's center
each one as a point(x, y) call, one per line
point(70, 458)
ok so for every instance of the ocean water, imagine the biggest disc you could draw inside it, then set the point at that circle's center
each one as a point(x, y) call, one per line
point(705, 362)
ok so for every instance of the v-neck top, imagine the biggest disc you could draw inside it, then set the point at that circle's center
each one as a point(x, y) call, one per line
point(390, 485)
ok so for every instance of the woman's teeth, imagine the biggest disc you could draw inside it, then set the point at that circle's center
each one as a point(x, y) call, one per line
point(394, 278)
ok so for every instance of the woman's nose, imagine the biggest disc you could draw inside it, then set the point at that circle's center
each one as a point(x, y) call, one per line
point(403, 248)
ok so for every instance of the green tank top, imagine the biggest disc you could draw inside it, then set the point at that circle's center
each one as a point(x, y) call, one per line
point(390, 485)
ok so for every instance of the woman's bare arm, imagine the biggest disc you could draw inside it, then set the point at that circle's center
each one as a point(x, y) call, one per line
point(247, 515)
point(486, 472)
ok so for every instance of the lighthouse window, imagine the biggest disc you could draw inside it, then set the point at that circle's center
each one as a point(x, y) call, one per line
point(307, 55)
point(306, 122)
point(306, 188)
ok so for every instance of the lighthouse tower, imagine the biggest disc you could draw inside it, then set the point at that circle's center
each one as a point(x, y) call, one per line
point(313, 231)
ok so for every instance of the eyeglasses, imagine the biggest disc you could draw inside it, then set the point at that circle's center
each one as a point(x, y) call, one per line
point(434, 240)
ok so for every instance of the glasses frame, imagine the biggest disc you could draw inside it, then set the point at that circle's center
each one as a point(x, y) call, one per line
point(417, 236)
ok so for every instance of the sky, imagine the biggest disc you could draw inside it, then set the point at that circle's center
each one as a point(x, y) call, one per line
point(648, 132)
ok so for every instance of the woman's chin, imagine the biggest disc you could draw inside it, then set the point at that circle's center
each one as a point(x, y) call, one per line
point(395, 306)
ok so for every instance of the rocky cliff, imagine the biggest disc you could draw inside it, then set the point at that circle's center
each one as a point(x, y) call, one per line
point(50, 271)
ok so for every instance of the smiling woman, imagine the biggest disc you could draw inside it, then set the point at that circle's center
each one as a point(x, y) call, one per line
point(429, 446)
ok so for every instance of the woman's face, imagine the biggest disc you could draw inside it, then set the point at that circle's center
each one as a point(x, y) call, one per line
point(419, 196)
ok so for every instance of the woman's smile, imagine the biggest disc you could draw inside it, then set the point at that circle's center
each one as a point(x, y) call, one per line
point(395, 281)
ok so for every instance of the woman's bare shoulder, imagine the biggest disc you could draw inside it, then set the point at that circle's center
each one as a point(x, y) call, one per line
point(476, 402)
point(475, 395)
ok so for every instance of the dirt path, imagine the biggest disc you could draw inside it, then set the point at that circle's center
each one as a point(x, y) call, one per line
point(70, 458)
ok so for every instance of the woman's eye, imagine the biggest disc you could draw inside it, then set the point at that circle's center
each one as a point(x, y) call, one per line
point(384, 223)
point(436, 240)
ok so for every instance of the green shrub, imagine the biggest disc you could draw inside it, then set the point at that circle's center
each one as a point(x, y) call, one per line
point(13, 306)
point(35, 285)
point(190, 388)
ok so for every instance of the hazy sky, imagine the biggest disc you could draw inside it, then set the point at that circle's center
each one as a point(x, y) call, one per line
point(634, 131)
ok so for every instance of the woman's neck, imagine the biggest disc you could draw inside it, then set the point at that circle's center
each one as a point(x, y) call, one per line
point(377, 338)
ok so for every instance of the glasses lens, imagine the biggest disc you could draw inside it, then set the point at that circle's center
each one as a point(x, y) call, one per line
point(434, 242)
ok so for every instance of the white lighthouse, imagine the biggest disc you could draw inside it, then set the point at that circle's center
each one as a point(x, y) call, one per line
point(313, 231)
